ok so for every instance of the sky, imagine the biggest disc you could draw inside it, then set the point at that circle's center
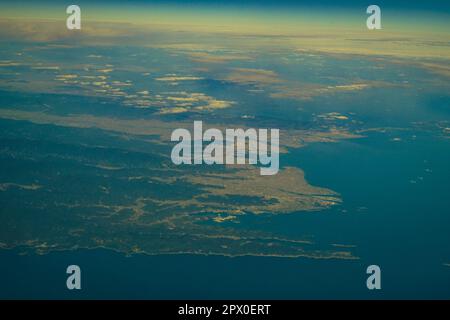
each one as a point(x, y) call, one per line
point(115, 9)
point(432, 5)
point(269, 17)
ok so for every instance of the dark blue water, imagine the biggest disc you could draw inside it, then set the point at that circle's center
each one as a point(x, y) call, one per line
point(395, 212)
